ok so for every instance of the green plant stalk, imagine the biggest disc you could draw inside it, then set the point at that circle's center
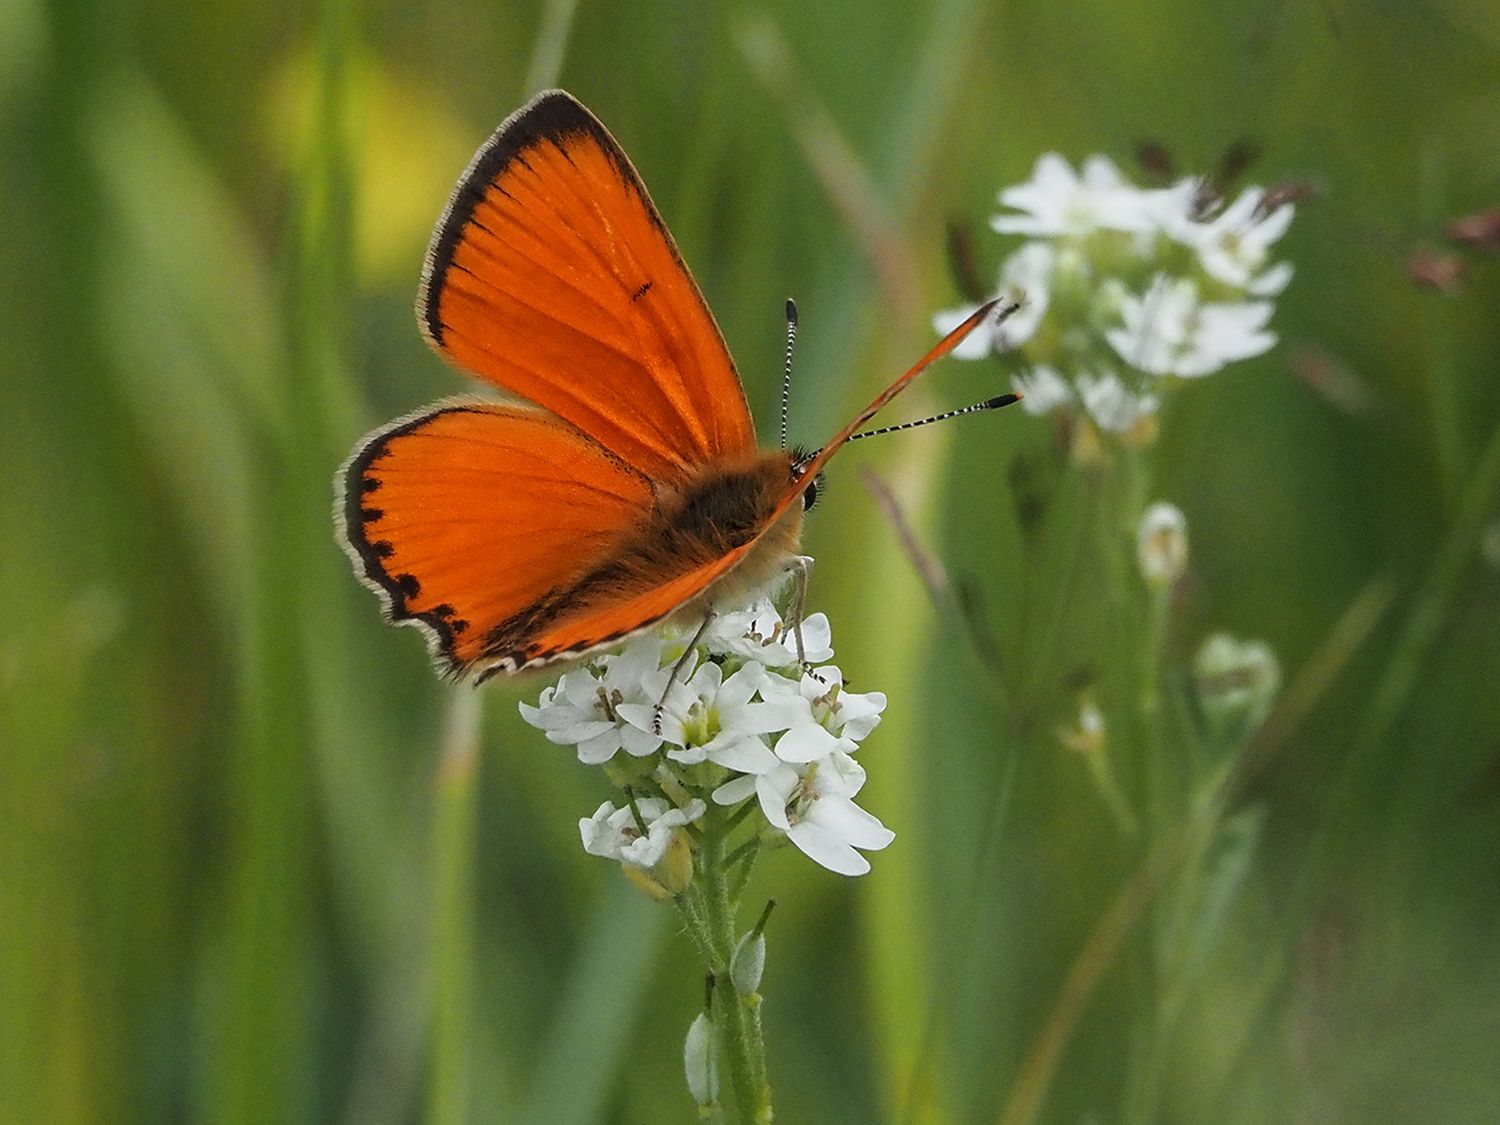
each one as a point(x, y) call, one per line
point(1029, 1089)
point(690, 907)
point(1419, 632)
point(455, 801)
point(1144, 613)
point(738, 1016)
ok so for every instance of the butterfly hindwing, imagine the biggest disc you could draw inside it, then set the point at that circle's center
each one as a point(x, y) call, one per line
point(469, 515)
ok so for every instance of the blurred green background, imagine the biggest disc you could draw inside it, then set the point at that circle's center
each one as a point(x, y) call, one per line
point(258, 864)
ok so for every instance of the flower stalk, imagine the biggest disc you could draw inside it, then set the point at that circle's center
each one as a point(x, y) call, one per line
point(708, 910)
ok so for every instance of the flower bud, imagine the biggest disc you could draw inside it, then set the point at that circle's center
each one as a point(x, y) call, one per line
point(645, 884)
point(1088, 737)
point(675, 871)
point(1236, 683)
point(748, 963)
point(700, 1063)
point(1161, 544)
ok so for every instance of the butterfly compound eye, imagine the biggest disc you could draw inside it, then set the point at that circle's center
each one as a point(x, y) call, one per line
point(810, 496)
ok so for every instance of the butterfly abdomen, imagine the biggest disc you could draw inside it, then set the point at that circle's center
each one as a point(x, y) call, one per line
point(692, 524)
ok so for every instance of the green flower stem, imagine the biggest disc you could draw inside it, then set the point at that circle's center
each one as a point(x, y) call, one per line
point(738, 1016)
point(1158, 816)
point(690, 906)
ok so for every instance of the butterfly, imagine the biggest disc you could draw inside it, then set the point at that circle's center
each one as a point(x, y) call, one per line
point(620, 483)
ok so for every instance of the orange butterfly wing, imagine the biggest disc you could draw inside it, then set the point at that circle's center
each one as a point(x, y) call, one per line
point(466, 516)
point(552, 276)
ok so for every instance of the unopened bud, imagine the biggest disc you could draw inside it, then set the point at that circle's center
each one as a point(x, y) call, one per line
point(1236, 683)
point(700, 1063)
point(1088, 737)
point(748, 963)
point(1161, 544)
point(749, 960)
point(675, 871)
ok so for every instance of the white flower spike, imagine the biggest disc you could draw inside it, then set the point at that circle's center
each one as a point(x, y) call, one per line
point(1113, 306)
point(744, 718)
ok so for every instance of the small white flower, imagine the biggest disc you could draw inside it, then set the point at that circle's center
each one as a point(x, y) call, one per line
point(1161, 544)
point(814, 806)
point(1234, 245)
point(1026, 277)
point(707, 717)
point(1057, 201)
point(614, 834)
point(824, 717)
point(758, 633)
point(582, 708)
point(1042, 389)
point(1173, 211)
point(1167, 331)
point(1112, 405)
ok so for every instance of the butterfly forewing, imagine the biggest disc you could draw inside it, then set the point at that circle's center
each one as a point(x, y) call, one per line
point(552, 276)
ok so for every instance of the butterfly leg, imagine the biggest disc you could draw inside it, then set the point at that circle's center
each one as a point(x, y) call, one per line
point(799, 567)
point(678, 668)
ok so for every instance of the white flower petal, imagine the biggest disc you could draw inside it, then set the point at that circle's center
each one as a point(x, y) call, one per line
point(1042, 390)
point(773, 788)
point(642, 716)
point(688, 755)
point(808, 743)
point(599, 749)
point(1272, 281)
point(824, 847)
point(744, 754)
point(595, 833)
point(850, 823)
point(637, 742)
point(734, 791)
point(778, 713)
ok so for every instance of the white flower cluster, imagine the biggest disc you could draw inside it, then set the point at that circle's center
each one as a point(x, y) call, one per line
point(1122, 286)
point(743, 719)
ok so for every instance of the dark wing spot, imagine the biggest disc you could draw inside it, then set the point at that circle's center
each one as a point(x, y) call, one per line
point(641, 292)
point(370, 515)
point(382, 549)
point(369, 484)
point(457, 625)
point(408, 585)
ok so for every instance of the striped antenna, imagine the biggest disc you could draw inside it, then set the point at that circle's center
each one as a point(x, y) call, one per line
point(786, 379)
point(988, 404)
